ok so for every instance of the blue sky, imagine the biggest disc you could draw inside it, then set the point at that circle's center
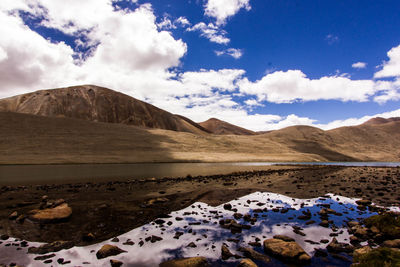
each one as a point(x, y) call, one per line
point(259, 64)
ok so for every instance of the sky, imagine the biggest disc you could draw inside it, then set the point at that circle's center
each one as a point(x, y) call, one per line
point(259, 64)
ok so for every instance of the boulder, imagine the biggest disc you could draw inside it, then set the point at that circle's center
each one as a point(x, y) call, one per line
point(225, 253)
point(337, 247)
point(58, 213)
point(247, 263)
point(284, 238)
point(51, 247)
point(392, 243)
point(254, 255)
point(116, 263)
point(361, 251)
point(186, 262)
point(287, 251)
point(108, 250)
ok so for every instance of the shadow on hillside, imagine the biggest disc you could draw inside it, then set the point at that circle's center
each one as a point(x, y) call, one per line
point(311, 147)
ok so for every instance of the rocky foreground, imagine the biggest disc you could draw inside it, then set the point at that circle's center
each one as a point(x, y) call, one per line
point(87, 213)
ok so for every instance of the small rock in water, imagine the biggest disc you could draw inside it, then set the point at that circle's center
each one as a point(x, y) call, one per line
point(186, 262)
point(287, 251)
point(116, 263)
point(225, 253)
point(247, 263)
point(107, 251)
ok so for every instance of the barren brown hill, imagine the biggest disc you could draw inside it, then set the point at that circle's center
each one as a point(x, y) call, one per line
point(216, 126)
point(379, 120)
point(93, 103)
point(34, 139)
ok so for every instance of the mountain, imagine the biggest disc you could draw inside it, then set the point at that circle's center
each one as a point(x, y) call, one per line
point(32, 139)
point(379, 120)
point(93, 103)
point(216, 126)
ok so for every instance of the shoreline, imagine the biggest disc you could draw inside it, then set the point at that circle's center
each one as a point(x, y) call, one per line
point(108, 209)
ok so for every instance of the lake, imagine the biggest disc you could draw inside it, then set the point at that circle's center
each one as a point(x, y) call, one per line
point(68, 173)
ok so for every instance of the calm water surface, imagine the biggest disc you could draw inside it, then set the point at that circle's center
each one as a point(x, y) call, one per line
point(36, 174)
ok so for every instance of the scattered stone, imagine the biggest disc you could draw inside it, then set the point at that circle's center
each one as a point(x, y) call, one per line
point(247, 263)
point(361, 251)
point(153, 238)
point(51, 247)
point(115, 240)
point(158, 200)
point(49, 215)
point(191, 245)
point(44, 257)
point(186, 262)
point(88, 237)
point(225, 253)
point(284, 238)
point(392, 243)
point(13, 215)
point(116, 263)
point(227, 206)
point(337, 247)
point(107, 251)
point(287, 251)
point(254, 255)
point(4, 237)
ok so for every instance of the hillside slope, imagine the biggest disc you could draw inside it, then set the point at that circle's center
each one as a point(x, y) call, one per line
point(216, 126)
point(93, 103)
point(30, 139)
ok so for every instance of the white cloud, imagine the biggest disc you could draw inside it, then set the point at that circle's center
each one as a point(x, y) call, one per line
point(233, 52)
point(221, 10)
point(166, 24)
point(390, 68)
point(183, 21)
point(211, 32)
point(292, 85)
point(359, 65)
point(252, 102)
point(130, 51)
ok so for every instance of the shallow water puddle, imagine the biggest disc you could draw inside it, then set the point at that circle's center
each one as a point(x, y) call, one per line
point(196, 231)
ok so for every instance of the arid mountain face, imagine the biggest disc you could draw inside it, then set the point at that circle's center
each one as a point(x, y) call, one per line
point(216, 126)
point(379, 120)
point(93, 103)
point(90, 124)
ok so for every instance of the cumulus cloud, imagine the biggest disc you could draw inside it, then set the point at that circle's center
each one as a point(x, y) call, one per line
point(292, 85)
point(359, 65)
point(211, 32)
point(233, 52)
point(221, 10)
point(391, 68)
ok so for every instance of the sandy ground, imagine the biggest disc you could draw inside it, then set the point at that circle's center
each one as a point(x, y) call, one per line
point(107, 209)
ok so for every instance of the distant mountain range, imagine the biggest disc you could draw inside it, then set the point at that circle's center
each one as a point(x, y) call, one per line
point(90, 124)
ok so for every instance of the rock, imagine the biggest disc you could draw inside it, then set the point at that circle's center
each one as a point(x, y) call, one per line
point(392, 243)
point(107, 251)
point(227, 206)
point(44, 257)
point(247, 263)
point(363, 202)
point(287, 251)
point(324, 223)
point(336, 247)
point(153, 238)
point(55, 214)
point(225, 253)
point(51, 247)
point(13, 215)
point(284, 238)
point(186, 262)
point(361, 251)
point(4, 237)
point(237, 215)
point(116, 263)
point(115, 240)
point(88, 237)
point(254, 255)
point(191, 245)
point(157, 200)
